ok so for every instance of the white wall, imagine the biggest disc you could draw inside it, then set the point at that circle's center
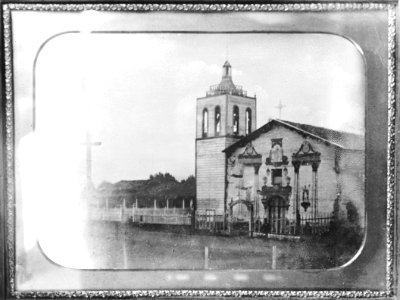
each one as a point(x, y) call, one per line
point(328, 183)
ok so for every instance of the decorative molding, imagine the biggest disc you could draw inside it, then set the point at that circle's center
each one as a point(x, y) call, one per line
point(250, 157)
point(203, 293)
point(392, 79)
point(202, 7)
point(306, 155)
point(249, 152)
point(9, 150)
point(295, 7)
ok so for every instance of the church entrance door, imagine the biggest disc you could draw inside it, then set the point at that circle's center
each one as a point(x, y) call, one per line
point(277, 215)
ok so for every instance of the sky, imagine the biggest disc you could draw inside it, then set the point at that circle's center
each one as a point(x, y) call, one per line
point(136, 92)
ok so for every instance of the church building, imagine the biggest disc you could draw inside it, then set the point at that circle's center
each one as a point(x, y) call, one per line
point(278, 173)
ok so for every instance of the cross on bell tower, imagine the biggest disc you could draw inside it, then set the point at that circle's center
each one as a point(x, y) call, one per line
point(227, 70)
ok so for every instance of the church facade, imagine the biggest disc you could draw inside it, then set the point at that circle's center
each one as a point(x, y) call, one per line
point(278, 173)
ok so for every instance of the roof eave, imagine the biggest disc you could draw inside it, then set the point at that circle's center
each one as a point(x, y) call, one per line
point(311, 134)
point(263, 129)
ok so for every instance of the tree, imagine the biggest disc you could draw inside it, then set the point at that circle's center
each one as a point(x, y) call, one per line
point(159, 186)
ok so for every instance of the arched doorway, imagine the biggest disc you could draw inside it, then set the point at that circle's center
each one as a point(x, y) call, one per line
point(276, 215)
point(250, 207)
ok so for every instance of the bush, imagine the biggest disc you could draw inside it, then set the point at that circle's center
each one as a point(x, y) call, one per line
point(343, 241)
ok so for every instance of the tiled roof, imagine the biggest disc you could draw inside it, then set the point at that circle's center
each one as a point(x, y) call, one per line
point(340, 139)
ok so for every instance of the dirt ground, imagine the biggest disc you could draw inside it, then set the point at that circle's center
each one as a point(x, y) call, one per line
point(114, 246)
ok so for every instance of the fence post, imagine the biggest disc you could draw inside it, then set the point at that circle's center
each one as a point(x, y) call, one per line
point(121, 212)
point(215, 221)
point(124, 229)
point(302, 220)
point(230, 220)
point(251, 220)
point(193, 218)
point(206, 257)
point(273, 257)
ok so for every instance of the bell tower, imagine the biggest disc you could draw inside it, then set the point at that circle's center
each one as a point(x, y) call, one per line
point(224, 116)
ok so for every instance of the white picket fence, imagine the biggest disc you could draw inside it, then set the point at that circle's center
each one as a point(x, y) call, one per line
point(176, 216)
point(108, 214)
point(209, 220)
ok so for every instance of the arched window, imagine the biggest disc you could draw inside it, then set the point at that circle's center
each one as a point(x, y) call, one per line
point(205, 122)
point(248, 121)
point(217, 120)
point(235, 120)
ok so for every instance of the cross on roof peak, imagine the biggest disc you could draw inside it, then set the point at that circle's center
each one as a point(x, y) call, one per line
point(280, 106)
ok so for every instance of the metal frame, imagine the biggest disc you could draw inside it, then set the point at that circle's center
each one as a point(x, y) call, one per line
point(8, 179)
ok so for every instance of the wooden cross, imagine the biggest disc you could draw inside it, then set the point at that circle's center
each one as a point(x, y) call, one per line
point(89, 144)
point(280, 106)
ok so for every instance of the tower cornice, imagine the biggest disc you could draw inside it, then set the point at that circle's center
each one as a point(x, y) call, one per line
point(226, 86)
point(211, 96)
